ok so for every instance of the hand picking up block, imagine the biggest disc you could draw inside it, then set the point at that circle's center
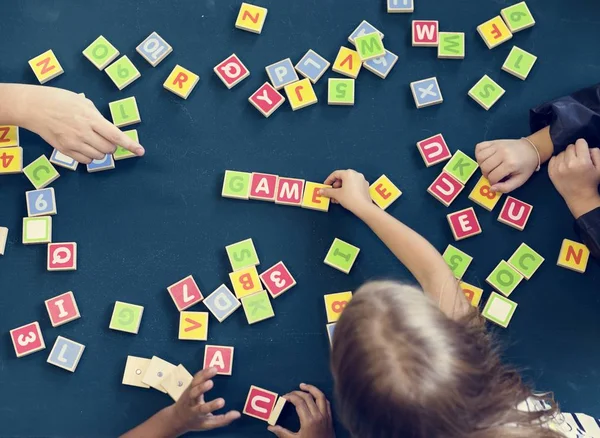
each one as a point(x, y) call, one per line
point(107, 163)
point(384, 192)
point(504, 278)
point(177, 381)
point(236, 185)
point(526, 261)
point(400, 6)
point(9, 136)
point(181, 81)
point(300, 94)
point(156, 371)
point(62, 256)
point(219, 357)
point(457, 260)
point(472, 293)
point(46, 66)
point(41, 172)
point(515, 213)
point(257, 307)
point(289, 191)
point(486, 92)
point(41, 202)
point(335, 305)
point(122, 72)
point(519, 63)
point(135, 368)
point(277, 279)
point(121, 153)
point(263, 187)
point(451, 45)
point(364, 28)
point(126, 317)
point(27, 339)
point(260, 403)
point(434, 150)
point(154, 49)
point(37, 230)
point(281, 73)
point(266, 99)
point(251, 18)
point(11, 160)
point(62, 309)
point(517, 17)
point(347, 63)
point(231, 71)
point(383, 65)
point(185, 293)
point(425, 33)
point(312, 66)
point(426, 92)
point(341, 256)
point(340, 91)
point(245, 281)
point(461, 166)
point(124, 112)
point(464, 224)
point(445, 188)
point(193, 326)
point(483, 196)
point(499, 310)
point(101, 53)
point(3, 239)
point(66, 354)
point(574, 256)
point(494, 32)
point(312, 199)
point(242, 254)
point(222, 303)
point(59, 159)
point(369, 46)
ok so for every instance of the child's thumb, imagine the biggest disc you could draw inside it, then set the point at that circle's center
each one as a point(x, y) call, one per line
point(280, 432)
point(595, 154)
point(328, 193)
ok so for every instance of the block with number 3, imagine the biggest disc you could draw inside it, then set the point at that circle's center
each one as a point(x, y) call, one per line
point(27, 339)
point(185, 293)
point(277, 279)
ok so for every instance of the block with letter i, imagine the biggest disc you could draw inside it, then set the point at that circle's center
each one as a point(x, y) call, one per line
point(518, 17)
point(135, 368)
point(9, 136)
point(347, 63)
point(185, 293)
point(425, 33)
point(245, 281)
point(574, 256)
point(59, 159)
point(289, 191)
point(41, 202)
point(457, 260)
point(101, 53)
point(451, 45)
point(434, 150)
point(11, 160)
point(62, 256)
point(219, 357)
point(515, 213)
point(242, 254)
point(335, 305)
point(384, 192)
point(222, 303)
point(122, 72)
point(121, 153)
point(3, 239)
point(277, 279)
point(369, 46)
point(124, 112)
point(464, 224)
point(266, 99)
point(486, 92)
point(383, 65)
point(445, 188)
point(46, 66)
point(526, 261)
point(193, 326)
point(300, 94)
point(106, 163)
point(27, 339)
point(461, 166)
point(341, 256)
point(251, 18)
point(37, 230)
point(263, 187)
point(236, 185)
point(66, 354)
point(426, 92)
point(340, 91)
point(41, 172)
point(181, 81)
point(257, 307)
point(499, 310)
point(472, 293)
point(504, 278)
point(483, 196)
point(312, 66)
point(312, 199)
point(177, 381)
point(364, 28)
point(494, 32)
point(62, 309)
point(154, 49)
point(519, 63)
point(231, 71)
point(126, 317)
point(260, 403)
point(400, 6)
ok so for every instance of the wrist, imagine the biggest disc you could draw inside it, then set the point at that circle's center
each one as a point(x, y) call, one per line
point(15, 99)
point(175, 425)
point(543, 143)
point(365, 210)
point(583, 204)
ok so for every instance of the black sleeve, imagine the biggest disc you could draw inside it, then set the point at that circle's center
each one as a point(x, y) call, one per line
point(570, 118)
point(588, 228)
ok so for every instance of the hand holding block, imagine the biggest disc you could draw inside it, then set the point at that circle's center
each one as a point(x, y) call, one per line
point(3, 239)
point(62, 309)
point(135, 368)
point(526, 261)
point(312, 199)
point(461, 166)
point(519, 63)
point(260, 403)
point(41, 202)
point(300, 94)
point(257, 307)
point(124, 112)
point(499, 310)
point(62, 256)
point(236, 185)
point(472, 293)
point(242, 254)
point(434, 150)
point(231, 71)
point(340, 91)
point(219, 357)
point(266, 99)
point(573, 256)
point(277, 279)
point(251, 18)
point(384, 192)
point(181, 81)
point(517, 17)
point(11, 160)
point(263, 187)
point(157, 370)
point(66, 354)
point(289, 191)
point(193, 326)
point(222, 303)
point(101, 53)
point(383, 65)
point(27, 339)
point(281, 73)
point(341, 256)
point(425, 33)
point(445, 188)
point(37, 230)
point(486, 92)
point(122, 72)
point(176, 382)
point(504, 278)
point(494, 32)
point(107, 163)
point(364, 28)
point(426, 92)
point(464, 224)
point(154, 49)
point(335, 305)
point(347, 63)
point(483, 196)
point(457, 260)
point(9, 136)
point(515, 213)
point(46, 66)
point(451, 45)
point(185, 293)
point(245, 281)
point(41, 172)
point(369, 46)
point(126, 317)
point(400, 6)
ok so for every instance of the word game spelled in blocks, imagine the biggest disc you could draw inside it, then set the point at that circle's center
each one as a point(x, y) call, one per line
point(472, 293)
point(526, 261)
point(251, 18)
point(457, 260)
point(62, 256)
point(263, 187)
point(219, 357)
point(40, 172)
point(257, 307)
point(434, 150)
point(341, 256)
point(193, 326)
point(9, 136)
point(330, 331)
point(384, 192)
point(312, 66)
point(231, 71)
point(277, 279)
point(124, 112)
point(185, 293)
point(236, 185)
point(518, 17)
point(340, 91)
point(245, 281)
point(499, 310)
point(122, 72)
point(289, 191)
point(369, 46)
point(445, 188)
point(400, 6)
point(573, 256)
point(281, 73)
point(301, 94)
point(3, 239)
point(383, 65)
point(266, 99)
point(101, 53)
point(515, 213)
point(66, 354)
point(464, 224)
point(121, 153)
point(335, 305)
point(312, 199)
point(156, 371)
point(260, 403)
point(37, 230)
point(519, 63)
point(106, 163)
point(59, 159)
point(425, 33)
point(494, 32)
point(46, 66)
point(27, 339)
point(426, 92)
point(126, 317)
point(11, 160)
point(504, 278)
point(62, 309)
point(154, 49)
point(181, 81)
point(364, 28)
point(347, 63)
point(486, 92)
point(135, 368)
point(242, 254)
point(461, 166)
point(222, 303)
point(177, 381)
point(451, 45)
point(41, 202)
point(483, 196)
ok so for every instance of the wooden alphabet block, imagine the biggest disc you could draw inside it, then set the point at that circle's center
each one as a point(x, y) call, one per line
point(122, 72)
point(300, 94)
point(251, 18)
point(121, 153)
point(156, 371)
point(257, 307)
point(494, 32)
point(193, 326)
point(266, 99)
point(185, 293)
point(335, 305)
point(222, 303)
point(426, 92)
point(519, 63)
point(242, 254)
point(126, 317)
point(451, 45)
point(486, 92)
point(11, 160)
point(515, 213)
point(472, 293)
point(231, 71)
point(289, 191)
point(219, 357)
point(504, 278)
point(277, 279)
point(499, 310)
point(384, 192)
point(340, 91)
point(3, 239)
point(330, 331)
point(41, 172)
point(37, 230)
point(41, 202)
point(135, 368)
point(27, 339)
point(124, 112)
point(526, 261)
point(445, 188)
point(245, 281)
point(236, 185)
point(263, 187)
point(62, 309)
point(101, 53)
point(369, 46)
point(62, 256)
point(46, 66)
point(312, 66)
point(9, 136)
point(464, 224)
point(66, 354)
point(276, 411)
point(383, 65)
point(461, 166)
point(107, 163)
point(312, 199)
point(59, 159)
point(281, 73)
point(574, 256)
point(434, 150)
point(181, 81)
point(517, 17)
point(483, 196)
point(341, 256)
point(400, 6)
point(154, 49)
point(425, 33)
point(176, 382)
point(347, 63)
point(457, 260)
point(364, 28)
point(260, 403)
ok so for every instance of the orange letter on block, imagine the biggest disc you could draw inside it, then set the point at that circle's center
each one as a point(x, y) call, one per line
point(246, 281)
point(298, 91)
point(250, 17)
point(3, 133)
point(577, 256)
point(316, 198)
point(46, 68)
point(180, 79)
point(497, 33)
point(347, 60)
point(382, 191)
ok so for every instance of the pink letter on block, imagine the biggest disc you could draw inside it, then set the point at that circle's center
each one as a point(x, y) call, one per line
point(290, 191)
point(266, 99)
point(425, 32)
point(62, 309)
point(62, 256)
point(263, 186)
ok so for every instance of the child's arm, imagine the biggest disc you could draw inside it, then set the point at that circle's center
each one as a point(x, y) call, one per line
point(190, 413)
point(69, 122)
point(417, 254)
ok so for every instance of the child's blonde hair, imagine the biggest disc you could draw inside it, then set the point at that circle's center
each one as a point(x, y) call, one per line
point(403, 369)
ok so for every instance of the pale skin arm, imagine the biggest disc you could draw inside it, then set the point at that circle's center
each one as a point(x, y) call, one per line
point(351, 190)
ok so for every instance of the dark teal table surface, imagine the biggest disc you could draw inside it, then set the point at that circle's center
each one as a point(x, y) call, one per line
point(155, 220)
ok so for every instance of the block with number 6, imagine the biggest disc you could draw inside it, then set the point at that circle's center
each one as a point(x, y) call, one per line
point(41, 202)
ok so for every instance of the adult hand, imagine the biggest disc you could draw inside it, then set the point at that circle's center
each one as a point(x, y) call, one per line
point(349, 188)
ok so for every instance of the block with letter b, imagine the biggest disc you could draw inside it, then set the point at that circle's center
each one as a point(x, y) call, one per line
point(62, 309)
point(219, 357)
point(245, 281)
point(222, 303)
point(185, 293)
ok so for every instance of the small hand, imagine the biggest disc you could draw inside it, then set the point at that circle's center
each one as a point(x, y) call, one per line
point(72, 124)
point(350, 189)
point(513, 160)
point(575, 174)
point(314, 412)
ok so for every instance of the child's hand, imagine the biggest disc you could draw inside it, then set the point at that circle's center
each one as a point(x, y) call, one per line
point(515, 160)
point(314, 412)
point(576, 174)
point(350, 189)
point(72, 124)
point(193, 413)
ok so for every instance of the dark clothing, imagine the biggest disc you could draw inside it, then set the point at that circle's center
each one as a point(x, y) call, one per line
point(570, 118)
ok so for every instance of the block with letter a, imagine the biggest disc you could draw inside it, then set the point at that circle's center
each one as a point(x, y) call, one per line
point(263, 186)
point(219, 357)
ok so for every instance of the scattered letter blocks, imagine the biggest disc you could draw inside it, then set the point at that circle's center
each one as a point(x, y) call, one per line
point(461, 166)
point(312, 66)
point(263, 187)
point(41, 202)
point(369, 46)
point(245, 281)
point(257, 307)
point(504, 278)
point(519, 63)
point(483, 196)
point(219, 357)
point(154, 49)
point(457, 260)
point(347, 63)
point(340, 91)
point(384, 192)
point(494, 32)
point(9, 136)
point(426, 92)
point(135, 368)
point(400, 6)
point(445, 188)
point(301, 94)
point(266, 99)
point(364, 28)
point(193, 326)
point(41, 172)
point(251, 18)
point(126, 317)
point(185, 293)
point(236, 185)
point(107, 163)
point(499, 309)
point(11, 160)
point(573, 256)
point(260, 403)
point(124, 112)
point(526, 261)
point(312, 200)
point(62, 256)
point(181, 81)
point(37, 230)
point(472, 293)
point(341, 256)
point(231, 71)
point(425, 33)
point(46, 66)
point(515, 213)
point(122, 72)
point(383, 65)
point(518, 17)
point(156, 371)
point(434, 150)
point(27, 339)
point(62, 309)
point(281, 73)
point(464, 224)
point(101, 53)
point(222, 303)
point(66, 354)
point(451, 45)
point(242, 254)
point(486, 92)
point(335, 305)
point(59, 159)
point(277, 279)
point(177, 381)
point(289, 191)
